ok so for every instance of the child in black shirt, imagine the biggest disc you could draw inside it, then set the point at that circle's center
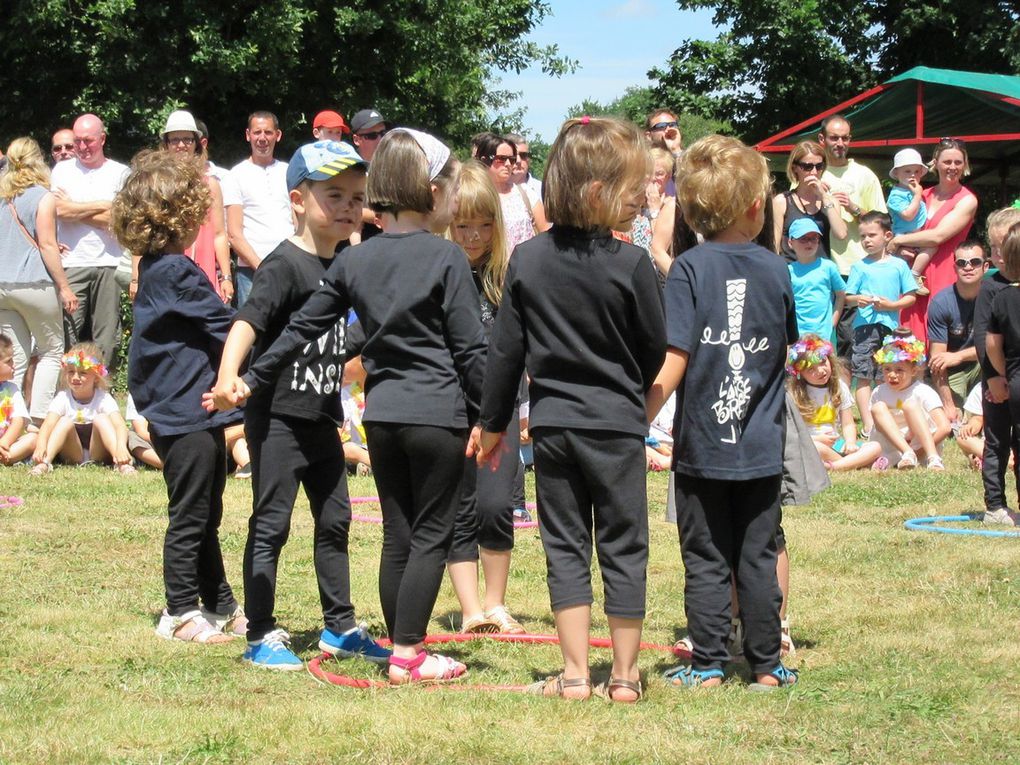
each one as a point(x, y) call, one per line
point(423, 352)
point(291, 423)
point(730, 316)
point(583, 312)
point(180, 324)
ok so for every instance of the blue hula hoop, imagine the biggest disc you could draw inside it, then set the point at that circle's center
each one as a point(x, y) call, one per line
point(930, 524)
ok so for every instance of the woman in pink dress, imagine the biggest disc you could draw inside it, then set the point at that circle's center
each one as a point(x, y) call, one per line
point(951, 209)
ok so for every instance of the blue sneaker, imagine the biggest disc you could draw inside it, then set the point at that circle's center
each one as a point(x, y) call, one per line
point(271, 652)
point(354, 642)
point(521, 514)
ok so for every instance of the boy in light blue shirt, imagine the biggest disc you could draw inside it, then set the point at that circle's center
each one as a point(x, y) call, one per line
point(881, 286)
point(818, 288)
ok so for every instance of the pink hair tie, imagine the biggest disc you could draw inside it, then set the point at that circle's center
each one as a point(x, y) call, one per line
point(585, 119)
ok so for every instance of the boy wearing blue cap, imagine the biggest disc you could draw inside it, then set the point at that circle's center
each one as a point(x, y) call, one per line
point(291, 425)
point(818, 289)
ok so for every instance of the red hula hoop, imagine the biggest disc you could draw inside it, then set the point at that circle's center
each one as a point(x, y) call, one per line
point(376, 519)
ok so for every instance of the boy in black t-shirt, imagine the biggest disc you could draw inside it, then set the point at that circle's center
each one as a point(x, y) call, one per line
point(291, 424)
point(729, 318)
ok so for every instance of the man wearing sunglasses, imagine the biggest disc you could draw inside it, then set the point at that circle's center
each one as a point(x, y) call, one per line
point(954, 362)
point(521, 173)
point(663, 129)
point(368, 127)
point(62, 145)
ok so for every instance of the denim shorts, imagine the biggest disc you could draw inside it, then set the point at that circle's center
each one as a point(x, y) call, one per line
point(868, 338)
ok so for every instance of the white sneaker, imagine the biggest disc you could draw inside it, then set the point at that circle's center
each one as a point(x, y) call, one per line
point(1000, 517)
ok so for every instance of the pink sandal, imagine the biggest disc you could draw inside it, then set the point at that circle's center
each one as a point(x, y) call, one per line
point(449, 670)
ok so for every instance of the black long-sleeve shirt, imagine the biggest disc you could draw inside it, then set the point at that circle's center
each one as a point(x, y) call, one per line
point(423, 352)
point(584, 313)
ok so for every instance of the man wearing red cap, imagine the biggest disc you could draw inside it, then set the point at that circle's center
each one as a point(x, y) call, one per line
point(329, 126)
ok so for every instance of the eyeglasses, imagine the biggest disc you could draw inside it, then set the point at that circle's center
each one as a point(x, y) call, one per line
point(658, 127)
point(499, 159)
point(971, 262)
point(958, 143)
point(523, 156)
point(372, 135)
point(184, 140)
point(63, 147)
point(806, 166)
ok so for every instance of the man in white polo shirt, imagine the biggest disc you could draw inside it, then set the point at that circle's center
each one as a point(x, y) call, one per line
point(256, 201)
point(84, 188)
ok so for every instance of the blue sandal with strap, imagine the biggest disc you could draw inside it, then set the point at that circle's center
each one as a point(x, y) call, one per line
point(785, 678)
point(689, 677)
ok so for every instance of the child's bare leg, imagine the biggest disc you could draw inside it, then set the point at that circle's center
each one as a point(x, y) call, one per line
point(973, 447)
point(886, 424)
point(921, 261)
point(148, 456)
point(64, 441)
point(626, 637)
point(239, 451)
point(783, 574)
point(863, 397)
point(23, 447)
point(496, 567)
point(826, 452)
point(104, 440)
point(464, 578)
point(573, 626)
point(862, 458)
point(356, 455)
point(917, 422)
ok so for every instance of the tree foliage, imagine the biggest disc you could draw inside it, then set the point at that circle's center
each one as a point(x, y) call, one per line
point(421, 62)
point(779, 61)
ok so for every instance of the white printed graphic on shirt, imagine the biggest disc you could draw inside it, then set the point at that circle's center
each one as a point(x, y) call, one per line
point(735, 389)
point(324, 370)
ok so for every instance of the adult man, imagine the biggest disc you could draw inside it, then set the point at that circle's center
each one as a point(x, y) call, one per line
point(663, 129)
point(84, 189)
point(521, 174)
point(62, 146)
point(858, 191)
point(368, 127)
point(329, 126)
point(256, 201)
point(953, 359)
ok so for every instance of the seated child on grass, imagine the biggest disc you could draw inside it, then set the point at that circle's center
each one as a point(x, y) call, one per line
point(139, 439)
point(908, 414)
point(826, 404)
point(15, 442)
point(970, 437)
point(907, 210)
point(84, 422)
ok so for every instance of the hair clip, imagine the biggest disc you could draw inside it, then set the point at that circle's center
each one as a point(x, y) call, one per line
point(585, 119)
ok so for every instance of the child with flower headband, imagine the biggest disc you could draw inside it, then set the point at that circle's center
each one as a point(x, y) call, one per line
point(15, 443)
point(826, 404)
point(908, 414)
point(83, 423)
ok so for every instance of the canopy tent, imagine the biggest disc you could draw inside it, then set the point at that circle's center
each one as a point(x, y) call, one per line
point(920, 107)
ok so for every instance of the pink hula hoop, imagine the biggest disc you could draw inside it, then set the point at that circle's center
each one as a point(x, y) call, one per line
point(376, 519)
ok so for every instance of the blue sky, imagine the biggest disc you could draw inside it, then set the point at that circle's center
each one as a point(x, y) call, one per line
point(615, 43)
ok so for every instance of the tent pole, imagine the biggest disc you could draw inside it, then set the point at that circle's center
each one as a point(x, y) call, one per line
point(919, 111)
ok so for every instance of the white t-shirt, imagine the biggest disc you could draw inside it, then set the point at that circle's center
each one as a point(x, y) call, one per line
point(262, 193)
point(661, 428)
point(83, 413)
point(973, 403)
point(89, 246)
point(12, 405)
point(825, 421)
point(895, 399)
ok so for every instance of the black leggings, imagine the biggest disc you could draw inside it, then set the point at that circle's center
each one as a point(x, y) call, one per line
point(195, 471)
point(418, 471)
point(486, 515)
point(999, 431)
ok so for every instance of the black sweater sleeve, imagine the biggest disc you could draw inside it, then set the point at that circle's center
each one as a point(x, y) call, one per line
point(505, 363)
point(318, 315)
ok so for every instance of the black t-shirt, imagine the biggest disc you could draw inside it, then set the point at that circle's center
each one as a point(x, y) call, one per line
point(583, 311)
point(1005, 321)
point(730, 307)
point(982, 314)
point(308, 386)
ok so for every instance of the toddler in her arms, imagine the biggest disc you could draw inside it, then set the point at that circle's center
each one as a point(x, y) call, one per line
point(907, 210)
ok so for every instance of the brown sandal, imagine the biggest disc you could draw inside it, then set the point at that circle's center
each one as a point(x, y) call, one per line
point(605, 690)
point(554, 687)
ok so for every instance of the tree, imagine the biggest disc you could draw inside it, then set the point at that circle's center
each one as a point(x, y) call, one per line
point(421, 62)
point(779, 61)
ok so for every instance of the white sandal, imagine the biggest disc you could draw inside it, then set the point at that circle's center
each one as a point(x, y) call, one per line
point(235, 623)
point(175, 628)
point(506, 623)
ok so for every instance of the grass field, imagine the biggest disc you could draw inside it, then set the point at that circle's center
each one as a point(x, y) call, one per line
point(908, 644)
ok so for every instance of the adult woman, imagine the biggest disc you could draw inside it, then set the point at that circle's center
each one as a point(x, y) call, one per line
point(951, 210)
point(211, 250)
point(31, 277)
point(808, 197)
point(523, 216)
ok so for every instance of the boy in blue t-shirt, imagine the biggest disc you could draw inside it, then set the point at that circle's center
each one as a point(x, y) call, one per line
point(729, 318)
point(818, 289)
point(880, 286)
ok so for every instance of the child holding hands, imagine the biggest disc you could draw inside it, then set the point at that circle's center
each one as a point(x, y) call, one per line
point(582, 311)
point(729, 316)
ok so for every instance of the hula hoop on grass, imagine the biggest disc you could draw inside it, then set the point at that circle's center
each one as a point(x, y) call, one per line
point(9, 502)
point(326, 677)
point(376, 519)
point(931, 524)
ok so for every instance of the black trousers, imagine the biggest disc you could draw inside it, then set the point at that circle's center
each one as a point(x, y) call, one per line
point(999, 433)
point(486, 514)
point(288, 454)
point(591, 484)
point(195, 471)
point(418, 471)
point(730, 527)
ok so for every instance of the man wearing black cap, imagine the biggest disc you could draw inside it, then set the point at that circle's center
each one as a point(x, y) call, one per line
point(368, 127)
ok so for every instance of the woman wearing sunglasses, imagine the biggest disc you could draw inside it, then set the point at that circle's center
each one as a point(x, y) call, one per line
point(523, 215)
point(808, 197)
point(951, 209)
